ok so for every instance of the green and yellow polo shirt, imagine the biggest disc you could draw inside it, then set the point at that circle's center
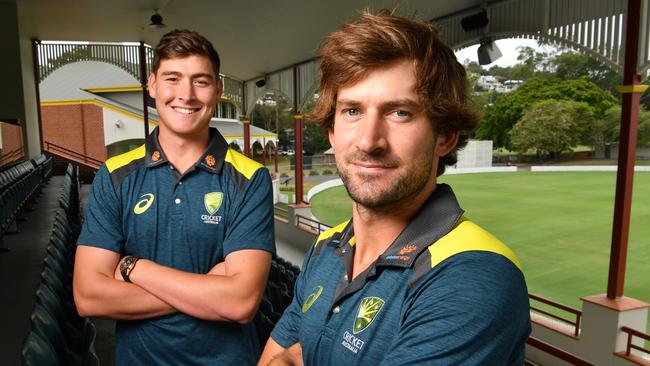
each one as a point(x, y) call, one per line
point(446, 292)
point(141, 205)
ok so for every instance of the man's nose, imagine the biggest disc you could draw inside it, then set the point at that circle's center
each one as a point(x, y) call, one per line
point(372, 133)
point(186, 90)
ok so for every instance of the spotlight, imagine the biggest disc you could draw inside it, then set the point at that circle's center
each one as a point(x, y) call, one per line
point(488, 52)
point(260, 83)
point(156, 21)
point(475, 21)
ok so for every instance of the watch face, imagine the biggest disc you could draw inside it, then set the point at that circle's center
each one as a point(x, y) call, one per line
point(124, 266)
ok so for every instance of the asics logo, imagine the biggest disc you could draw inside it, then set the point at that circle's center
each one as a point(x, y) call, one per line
point(144, 203)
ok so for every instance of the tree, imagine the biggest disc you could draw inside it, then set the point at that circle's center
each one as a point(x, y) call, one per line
point(612, 127)
point(501, 116)
point(574, 65)
point(272, 113)
point(316, 140)
point(475, 67)
point(645, 97)
point(551, 127)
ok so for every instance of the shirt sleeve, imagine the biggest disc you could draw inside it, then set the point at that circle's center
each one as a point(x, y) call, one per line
point(472, 309)
point(252, 225)
point(286, 332)
point(102, 227)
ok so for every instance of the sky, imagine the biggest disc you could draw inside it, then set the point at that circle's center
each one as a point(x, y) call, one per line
point(508, 49)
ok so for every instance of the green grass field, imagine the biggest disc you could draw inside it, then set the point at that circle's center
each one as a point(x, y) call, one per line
point(559, 224)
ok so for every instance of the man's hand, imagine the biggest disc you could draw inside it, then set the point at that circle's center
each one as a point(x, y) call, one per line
point(291, 356)
point(219, 269)
point(276, 355)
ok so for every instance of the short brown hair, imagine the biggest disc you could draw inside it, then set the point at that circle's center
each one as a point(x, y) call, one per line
point(184, 43)
point(375, 41)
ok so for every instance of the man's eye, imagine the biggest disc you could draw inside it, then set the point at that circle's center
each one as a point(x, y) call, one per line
point(171, 80)
point(400, 113)
point(352, 112)
point(201, 83)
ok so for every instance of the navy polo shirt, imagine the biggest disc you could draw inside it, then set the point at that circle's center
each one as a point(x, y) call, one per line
point(140, 205)
point(446, 292)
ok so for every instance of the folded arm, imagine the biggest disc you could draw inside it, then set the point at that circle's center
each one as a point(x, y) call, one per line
point(234, 296)
point(97, 293)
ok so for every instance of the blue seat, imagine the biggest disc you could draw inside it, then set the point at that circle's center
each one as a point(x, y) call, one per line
point(38, 352)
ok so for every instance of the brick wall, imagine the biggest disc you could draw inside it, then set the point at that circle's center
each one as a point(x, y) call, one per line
point(12, 139)
point(78, 127)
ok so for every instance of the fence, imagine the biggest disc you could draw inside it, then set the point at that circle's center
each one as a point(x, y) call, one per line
point(575, 323)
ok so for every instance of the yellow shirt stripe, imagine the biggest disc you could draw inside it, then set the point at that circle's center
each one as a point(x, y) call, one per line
point(246, 166)
point(123, 159)
point(465, 237)
point(331, 231)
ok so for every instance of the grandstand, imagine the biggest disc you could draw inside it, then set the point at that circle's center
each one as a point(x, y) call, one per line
point(42, 201)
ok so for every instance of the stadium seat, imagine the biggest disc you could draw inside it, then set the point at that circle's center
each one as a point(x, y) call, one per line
point(38, 352)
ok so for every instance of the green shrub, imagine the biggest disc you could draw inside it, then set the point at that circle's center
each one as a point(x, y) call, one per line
point(313, 173)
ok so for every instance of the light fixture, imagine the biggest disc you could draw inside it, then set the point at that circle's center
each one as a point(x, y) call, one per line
point(156, 21)
point(475, 21)
point(260, 83)
point(488, 52)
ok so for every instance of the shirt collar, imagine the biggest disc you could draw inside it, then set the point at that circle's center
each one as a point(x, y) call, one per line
point(437, 217)
point(212, 159)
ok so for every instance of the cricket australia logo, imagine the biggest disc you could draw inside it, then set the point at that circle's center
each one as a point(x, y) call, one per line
point(143, 203)
point(212, 202)
point(368, 310)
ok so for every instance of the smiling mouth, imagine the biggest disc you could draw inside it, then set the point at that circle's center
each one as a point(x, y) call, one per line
point(185, 110)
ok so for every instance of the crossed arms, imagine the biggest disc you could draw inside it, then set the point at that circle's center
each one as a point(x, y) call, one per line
point(230, 291)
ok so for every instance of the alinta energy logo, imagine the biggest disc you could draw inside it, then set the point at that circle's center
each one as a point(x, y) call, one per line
point(311, 299)
point(367, 313)
point(212, 202)
point(143, 203)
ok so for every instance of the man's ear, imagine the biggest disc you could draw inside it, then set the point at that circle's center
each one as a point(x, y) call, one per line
point(330, 135)
point(445, 143)
point(219, 87)
point(151, 85)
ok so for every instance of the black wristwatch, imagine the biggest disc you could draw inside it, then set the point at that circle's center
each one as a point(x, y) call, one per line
point(126, 267)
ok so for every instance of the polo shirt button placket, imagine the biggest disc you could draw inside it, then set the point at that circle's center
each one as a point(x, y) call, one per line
point(177, 201)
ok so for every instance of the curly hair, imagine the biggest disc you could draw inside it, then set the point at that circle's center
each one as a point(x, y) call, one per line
point(184, 43)
point(349, 54)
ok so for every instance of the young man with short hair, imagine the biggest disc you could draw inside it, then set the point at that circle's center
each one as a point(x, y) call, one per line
point(409, 280)
point(178, 233)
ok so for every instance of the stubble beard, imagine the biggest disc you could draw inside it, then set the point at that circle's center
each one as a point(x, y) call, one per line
point(380, 193)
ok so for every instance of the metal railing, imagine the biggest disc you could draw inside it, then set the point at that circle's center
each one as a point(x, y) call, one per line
point(311, 224)
point(71, 154)
point(578, 314)
point(634, 333)
point(53, 55)
point(557, 352)
point(281, 211)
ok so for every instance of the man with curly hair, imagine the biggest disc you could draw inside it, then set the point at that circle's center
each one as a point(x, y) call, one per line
point(409, 280)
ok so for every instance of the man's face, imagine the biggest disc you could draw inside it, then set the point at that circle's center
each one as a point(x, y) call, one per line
point(186, 92)
point(386, 149)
